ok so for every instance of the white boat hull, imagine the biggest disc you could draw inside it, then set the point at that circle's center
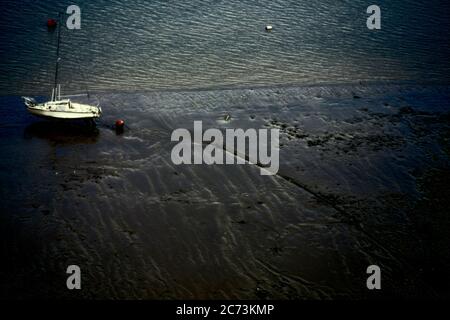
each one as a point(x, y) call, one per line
point(64, 109)
point(62, 114)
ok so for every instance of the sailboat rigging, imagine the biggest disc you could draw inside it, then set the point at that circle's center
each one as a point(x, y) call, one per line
point(57, 107)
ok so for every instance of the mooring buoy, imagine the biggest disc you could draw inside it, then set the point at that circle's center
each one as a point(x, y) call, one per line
point(120, 124)
point(51, 23)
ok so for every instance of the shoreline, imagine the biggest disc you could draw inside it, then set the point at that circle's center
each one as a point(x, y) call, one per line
point(294, 85)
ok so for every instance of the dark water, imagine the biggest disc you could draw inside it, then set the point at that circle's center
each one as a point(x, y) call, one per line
point(141, 45)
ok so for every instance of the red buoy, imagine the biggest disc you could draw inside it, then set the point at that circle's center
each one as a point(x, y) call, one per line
point(120, 124)
point(51, 23)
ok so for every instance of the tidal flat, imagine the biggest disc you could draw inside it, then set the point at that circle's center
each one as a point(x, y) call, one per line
point(363, 179)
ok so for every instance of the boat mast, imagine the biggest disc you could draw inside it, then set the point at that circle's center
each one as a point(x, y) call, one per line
point(55, 87)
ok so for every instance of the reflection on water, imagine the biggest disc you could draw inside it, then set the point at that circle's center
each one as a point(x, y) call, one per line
point(63, 132)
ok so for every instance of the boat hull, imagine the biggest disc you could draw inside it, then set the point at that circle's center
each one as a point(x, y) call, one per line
point(64, 109)
point(62, 114)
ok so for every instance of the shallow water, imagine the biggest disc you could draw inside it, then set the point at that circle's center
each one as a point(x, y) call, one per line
point(147, 45)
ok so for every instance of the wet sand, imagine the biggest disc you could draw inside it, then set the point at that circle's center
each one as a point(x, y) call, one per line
point(363, 179)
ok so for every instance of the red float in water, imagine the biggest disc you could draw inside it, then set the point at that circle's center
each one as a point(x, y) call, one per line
point(120, 124)
point(51, 23)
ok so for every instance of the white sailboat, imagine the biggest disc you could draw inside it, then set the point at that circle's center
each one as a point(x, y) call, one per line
point(61, 108)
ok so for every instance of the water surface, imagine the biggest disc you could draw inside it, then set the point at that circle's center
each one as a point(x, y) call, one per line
point(151, 45)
